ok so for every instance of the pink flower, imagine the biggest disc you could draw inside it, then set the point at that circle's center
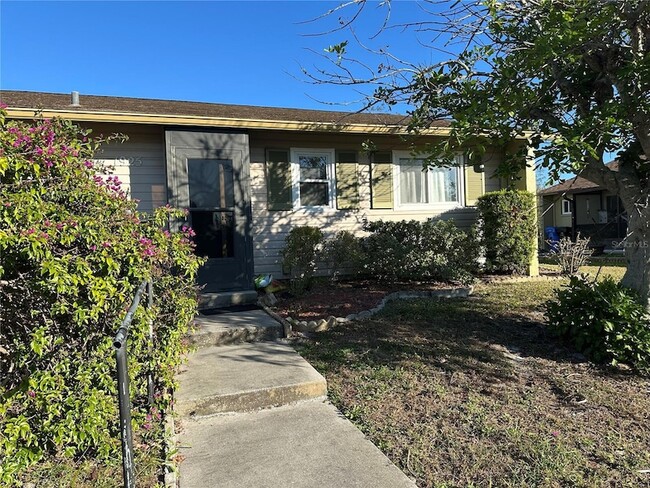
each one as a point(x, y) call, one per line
point(106, 244)
point(31, 393)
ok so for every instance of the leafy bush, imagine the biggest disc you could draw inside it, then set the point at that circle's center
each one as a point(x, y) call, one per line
point(343, 254)
point(299, 255)
point(570, 256)
point(508, 223)
point(603, 319)
point(412, 250)
point(73, 250)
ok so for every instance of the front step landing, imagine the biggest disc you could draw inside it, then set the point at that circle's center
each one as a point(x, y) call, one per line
point(230, 328)
point(246, 377)
point(224, 299)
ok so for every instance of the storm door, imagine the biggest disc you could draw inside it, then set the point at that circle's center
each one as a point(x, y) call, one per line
point(208, 178)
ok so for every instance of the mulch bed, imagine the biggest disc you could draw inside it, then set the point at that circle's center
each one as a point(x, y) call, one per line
point(342, 298)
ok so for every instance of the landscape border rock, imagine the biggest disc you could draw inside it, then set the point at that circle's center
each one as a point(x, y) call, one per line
point(331, 321)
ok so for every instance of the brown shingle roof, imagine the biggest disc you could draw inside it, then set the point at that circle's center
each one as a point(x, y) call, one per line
point(576, 185)
point(123, 105)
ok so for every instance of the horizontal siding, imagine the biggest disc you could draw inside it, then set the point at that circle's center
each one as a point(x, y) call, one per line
point(139, 163)
point(270, 229)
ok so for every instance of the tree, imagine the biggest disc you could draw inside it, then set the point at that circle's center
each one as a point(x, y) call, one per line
point(573, 76)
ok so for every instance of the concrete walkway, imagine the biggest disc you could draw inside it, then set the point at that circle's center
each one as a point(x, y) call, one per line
point(255, 415)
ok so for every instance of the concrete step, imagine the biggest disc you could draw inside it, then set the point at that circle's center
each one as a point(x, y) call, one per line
point(307, 445)
point(225, 299)
point(233, 327)
point(245, 377)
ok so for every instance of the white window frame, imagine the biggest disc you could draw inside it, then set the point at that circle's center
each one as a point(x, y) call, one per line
point(459, 203)
point(295, 153)
point(563, 211)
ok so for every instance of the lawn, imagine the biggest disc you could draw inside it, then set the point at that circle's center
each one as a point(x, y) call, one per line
point(477, 393)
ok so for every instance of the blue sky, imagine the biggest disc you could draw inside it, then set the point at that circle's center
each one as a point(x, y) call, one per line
point(230, 52)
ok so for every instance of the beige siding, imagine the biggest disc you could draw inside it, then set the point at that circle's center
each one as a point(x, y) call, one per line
point(138, 162)
point(271, 228)
point(561, 220)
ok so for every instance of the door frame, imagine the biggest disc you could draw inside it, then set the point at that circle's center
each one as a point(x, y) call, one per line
point(216, 144)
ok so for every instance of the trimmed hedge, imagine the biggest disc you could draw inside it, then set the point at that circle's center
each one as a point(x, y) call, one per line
point(299, 256)
point(508, 225)
point(412, 250)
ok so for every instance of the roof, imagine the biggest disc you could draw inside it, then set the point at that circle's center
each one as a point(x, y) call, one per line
point(23, 104)
point(576, 185)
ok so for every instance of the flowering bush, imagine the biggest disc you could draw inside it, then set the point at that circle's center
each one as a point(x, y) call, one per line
point(73, 249)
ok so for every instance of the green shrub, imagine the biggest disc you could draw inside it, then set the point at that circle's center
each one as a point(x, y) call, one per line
point(343, 254)
point(412, 250)
point(299, 256)
point(508, 223)
point(603, 319)
point(73, 249)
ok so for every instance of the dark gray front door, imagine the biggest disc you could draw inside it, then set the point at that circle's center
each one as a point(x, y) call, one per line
point(208, 176)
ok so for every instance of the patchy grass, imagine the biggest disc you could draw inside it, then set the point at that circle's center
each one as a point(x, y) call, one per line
point(477, 393)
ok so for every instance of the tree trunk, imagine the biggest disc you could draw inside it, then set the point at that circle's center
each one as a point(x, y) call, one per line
point(637, 253)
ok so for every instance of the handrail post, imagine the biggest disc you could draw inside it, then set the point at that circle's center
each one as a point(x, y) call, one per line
point(123, 392)
point(125, 415)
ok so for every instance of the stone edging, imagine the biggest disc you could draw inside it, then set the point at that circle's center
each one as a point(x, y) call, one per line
point(325, 324)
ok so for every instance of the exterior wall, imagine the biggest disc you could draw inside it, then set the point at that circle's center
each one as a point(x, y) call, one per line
point(138, 162)
point(270, 228)
point(560, 220)
point(140, 165)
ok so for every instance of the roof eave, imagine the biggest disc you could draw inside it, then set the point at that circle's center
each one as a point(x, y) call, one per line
point(222, 122)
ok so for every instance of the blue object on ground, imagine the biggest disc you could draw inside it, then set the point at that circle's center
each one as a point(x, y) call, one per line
point(552, 238)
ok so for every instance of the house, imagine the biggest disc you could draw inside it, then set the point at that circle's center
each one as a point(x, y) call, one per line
point(248, 175)
point(580, 206)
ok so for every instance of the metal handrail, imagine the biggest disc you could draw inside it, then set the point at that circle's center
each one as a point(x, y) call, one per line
point(120, 345)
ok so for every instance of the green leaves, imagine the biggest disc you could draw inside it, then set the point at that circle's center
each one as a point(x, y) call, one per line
point(72, 252)
point(602, 319)
point(508, 222)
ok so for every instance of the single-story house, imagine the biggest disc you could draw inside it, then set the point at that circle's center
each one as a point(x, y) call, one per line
point(580, 206)
point(248, 175)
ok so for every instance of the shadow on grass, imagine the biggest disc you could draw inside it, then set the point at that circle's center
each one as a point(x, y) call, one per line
point(456, 335)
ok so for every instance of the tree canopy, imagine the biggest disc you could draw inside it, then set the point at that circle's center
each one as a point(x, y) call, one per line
point(572, 76)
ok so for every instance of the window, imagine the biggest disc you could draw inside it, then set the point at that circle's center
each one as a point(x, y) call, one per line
point(313, 177)
point(436, 187)
point(566, 207)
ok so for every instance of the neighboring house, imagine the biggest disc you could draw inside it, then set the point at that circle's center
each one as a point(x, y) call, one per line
point(578, 205)
point(248, 175)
